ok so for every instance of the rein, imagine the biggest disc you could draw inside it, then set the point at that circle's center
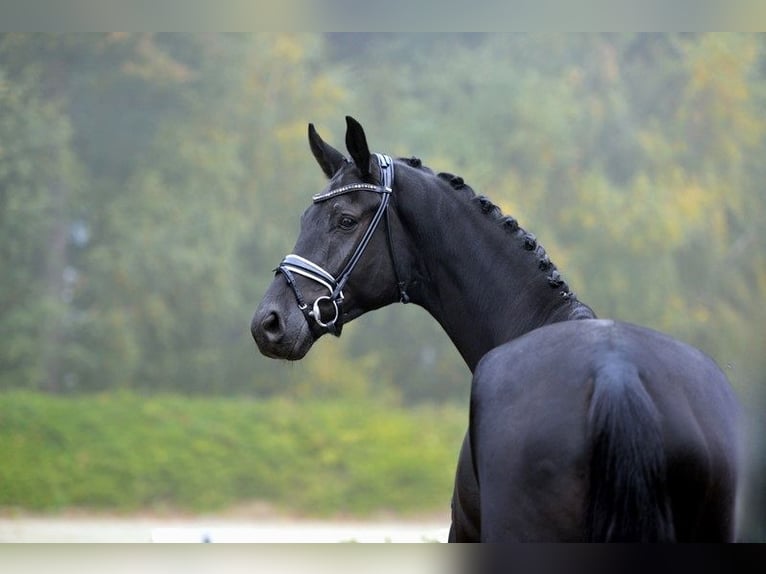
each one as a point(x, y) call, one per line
point(332, 320)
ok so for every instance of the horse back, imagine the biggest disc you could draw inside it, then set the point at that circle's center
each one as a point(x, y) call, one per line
point(577, 422)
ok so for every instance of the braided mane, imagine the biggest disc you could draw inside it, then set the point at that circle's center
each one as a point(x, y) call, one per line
point(526, 240)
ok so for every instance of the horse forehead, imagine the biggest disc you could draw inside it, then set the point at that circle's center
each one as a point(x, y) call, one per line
point(315, 216)
point(349, 173)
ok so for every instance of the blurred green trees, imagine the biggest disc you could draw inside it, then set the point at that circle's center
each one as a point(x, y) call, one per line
point(149, 183)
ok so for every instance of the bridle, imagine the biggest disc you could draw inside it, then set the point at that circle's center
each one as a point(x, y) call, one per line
point(293, 264)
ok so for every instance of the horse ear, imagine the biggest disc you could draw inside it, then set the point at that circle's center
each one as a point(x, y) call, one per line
point(356, 142)
point(328, 158)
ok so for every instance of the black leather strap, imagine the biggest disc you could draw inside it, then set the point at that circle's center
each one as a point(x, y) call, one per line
point(295, 264)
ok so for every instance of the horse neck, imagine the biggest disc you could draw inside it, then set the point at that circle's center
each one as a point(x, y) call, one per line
point(483, 278)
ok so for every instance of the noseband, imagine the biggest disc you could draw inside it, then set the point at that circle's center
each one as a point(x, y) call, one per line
point(331, 320)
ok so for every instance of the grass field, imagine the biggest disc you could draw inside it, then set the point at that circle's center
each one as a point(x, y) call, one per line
point(125, 452)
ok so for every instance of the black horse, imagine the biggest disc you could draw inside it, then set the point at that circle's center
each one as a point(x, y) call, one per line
point(580, 429)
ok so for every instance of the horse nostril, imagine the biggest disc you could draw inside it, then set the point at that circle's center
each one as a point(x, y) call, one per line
point(272, 327)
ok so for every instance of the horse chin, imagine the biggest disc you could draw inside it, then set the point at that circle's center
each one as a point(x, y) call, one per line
point(302, 343)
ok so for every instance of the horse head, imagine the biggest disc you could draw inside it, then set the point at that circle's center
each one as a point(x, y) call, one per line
point(341, 265)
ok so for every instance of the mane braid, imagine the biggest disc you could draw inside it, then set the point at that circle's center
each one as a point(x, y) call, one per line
point(511, 225)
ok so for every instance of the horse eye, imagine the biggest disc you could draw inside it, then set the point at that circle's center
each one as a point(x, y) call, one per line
point(347, 222)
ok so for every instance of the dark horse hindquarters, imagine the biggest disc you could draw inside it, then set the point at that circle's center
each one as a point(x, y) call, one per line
point(603, 431)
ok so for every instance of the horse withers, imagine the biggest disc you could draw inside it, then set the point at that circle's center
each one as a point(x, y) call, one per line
point(580, 429)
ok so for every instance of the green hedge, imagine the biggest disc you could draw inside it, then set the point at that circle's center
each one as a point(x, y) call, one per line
point(128, 452)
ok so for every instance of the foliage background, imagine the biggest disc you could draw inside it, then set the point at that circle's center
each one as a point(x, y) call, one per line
point(150, 182)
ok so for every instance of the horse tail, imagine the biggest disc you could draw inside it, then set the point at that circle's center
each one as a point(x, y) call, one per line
point(629, 499)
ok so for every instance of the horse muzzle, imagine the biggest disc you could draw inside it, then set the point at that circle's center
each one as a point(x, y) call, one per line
point(281, 334)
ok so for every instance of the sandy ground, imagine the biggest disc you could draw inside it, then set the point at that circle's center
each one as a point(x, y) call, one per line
point(159, 553)
point(74, 527)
